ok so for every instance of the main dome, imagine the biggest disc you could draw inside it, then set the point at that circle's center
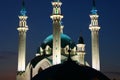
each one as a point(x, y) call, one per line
point(65, 40)
point(70, 70)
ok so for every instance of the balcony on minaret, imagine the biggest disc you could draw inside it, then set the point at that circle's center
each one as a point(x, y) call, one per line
point(22, 23)
point(56, 14)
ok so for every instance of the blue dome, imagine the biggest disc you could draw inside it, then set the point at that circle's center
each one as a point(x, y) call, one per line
point(65, 40)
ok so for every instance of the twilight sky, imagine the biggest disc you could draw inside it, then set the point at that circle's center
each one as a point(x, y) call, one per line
point(76, 21)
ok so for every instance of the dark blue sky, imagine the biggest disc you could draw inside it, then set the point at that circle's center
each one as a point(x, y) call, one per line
point(76, 21)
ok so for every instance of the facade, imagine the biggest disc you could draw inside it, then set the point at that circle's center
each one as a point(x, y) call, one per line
point(54, 49)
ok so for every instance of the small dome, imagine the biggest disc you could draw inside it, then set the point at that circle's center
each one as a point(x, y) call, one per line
point(81, 40)
point(65, 40)
point(70, 70)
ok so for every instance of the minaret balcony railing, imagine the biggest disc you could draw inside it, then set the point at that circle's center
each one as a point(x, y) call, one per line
point(22, 28)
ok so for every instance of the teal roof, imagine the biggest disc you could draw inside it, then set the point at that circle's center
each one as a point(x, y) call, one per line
point(23, 10)
point(94, 10)
point(65, 40)
point(81, 40)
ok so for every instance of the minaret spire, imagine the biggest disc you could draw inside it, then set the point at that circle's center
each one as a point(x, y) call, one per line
point(94, 10)
point(23, 3)
point(94, 5)
point(94, 28)
point(22, 29)
point(56, 17)
point(23, 10)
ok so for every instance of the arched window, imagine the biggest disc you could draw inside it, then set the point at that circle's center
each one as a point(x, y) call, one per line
point(40, 69)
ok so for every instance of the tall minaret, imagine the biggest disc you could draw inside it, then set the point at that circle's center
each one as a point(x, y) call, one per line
point(56, 17)
point(94, 28)
point(81, 50)
point(22, 29)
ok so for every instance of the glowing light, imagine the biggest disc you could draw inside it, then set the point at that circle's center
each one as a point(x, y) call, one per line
point(22, 28)
point(56, 11)
point(94, 11)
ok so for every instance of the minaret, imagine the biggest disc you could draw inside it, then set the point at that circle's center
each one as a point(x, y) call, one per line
point(56, 17)
point(22, 29)
point(81, 50)
point(94, 28)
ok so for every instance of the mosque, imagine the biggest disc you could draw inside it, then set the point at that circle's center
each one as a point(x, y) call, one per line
point(55, 48)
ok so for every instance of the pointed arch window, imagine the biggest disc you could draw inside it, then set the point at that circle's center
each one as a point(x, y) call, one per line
point(56, 11)
point(40, 69)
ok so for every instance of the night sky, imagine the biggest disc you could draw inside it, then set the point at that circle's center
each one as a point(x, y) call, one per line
point(76, 21)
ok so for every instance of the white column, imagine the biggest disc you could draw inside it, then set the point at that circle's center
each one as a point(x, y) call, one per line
point(56, 43)
point(81, 53)
point(95, 50)
point(56, 17)
point(22, 43)
point(95, 41)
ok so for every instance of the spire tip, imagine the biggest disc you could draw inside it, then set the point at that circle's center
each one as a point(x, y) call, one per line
point(94, 10)
point(23, 10)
